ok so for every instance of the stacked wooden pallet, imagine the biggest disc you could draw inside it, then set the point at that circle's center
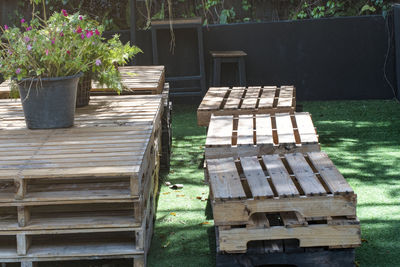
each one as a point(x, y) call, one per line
point(85, 192)
point(246, 100)
point(139, 80)
point(276, 198)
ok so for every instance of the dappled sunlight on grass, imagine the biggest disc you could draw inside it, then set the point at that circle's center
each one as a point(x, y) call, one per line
point(361, 137)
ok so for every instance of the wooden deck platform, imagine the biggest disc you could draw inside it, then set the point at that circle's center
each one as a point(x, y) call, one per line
point(135, 80)
point(94, 182)
point(246, 100)
point(260, 134)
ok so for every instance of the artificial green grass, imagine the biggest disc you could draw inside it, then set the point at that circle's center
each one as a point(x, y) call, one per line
point(361, 137)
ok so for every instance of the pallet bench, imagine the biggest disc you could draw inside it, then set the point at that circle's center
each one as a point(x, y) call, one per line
point(260, 134)
point(245, 101)
point(293, 196)
point(95, 182)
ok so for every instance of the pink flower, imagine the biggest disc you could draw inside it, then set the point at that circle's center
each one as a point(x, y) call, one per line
point(18, 71)
point(53, 41)
point(64, 13)
point(80, 18)
point(68, 52)
point(29, 28)
point(79, 30)
point(47, 52)
point(5, 27)
point(82, 36)
point(61, 34)
point(29, 47)
point(89, 34)
point(10, 52)
point(26, 39)
point(98, 62)
point(22, 21)
point(97, 32)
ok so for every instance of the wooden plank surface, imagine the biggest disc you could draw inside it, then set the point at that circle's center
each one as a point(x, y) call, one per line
point(284, 128)
point(256, 178)
point(220, 131)
point(329, 173)
point(279, 175)
point(224, 179)
point(267, 97)
point(306, 128)
point(234, 98)
point(264, 130)
point(245, 130)
point(102, 111)
point(304, 174)
point(251, 98)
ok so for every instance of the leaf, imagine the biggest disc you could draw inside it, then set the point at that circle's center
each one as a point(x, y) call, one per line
point(173, 213)
point(166, 244)
point(367, 7)
point(180, 195)
point(166, 193)
point(204, 223)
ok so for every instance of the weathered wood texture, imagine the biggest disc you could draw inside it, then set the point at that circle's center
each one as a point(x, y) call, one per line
point(139, 79)
point(308, 184)
point(260, 134)
point(166, 130)
point(85, 192)
point(334, 233)
point(286, 252)
point(5, 89)
point(135, 80)
point(246, 100)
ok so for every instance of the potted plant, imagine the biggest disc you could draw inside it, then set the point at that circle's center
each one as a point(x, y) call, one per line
point(47, 56)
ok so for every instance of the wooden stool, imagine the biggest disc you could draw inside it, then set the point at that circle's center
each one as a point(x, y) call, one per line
point(220, 57)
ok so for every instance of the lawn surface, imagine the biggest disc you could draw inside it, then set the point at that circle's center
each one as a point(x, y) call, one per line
point(361, 137)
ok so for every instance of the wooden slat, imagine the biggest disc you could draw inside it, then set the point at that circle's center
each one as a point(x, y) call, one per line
point(284, 128)
point(213, 99)
point(267, 97)
point(264, 129)
point(329, 173)
point(245, 130)
point(220, 131)
point(250, 100)
point(224, 179)
point(234, 98)
point(279, 175)
point(285, 97)
point(306, 128)
point(256, 178)
point(304, 174)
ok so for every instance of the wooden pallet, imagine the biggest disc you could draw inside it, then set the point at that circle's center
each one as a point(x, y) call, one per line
point(95, 182)
point(260, 134)
point(335, 232)
point(138, 79)
point(308, 184)
point(246, 100)
point(85, 244)
point(286, 252)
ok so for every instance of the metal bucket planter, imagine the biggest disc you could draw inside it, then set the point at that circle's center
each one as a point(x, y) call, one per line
point(49, 102)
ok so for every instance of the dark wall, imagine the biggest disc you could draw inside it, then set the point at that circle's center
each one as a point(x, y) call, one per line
point(326, 59)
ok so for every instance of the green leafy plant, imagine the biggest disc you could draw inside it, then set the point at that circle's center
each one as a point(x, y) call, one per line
point(62, 45)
